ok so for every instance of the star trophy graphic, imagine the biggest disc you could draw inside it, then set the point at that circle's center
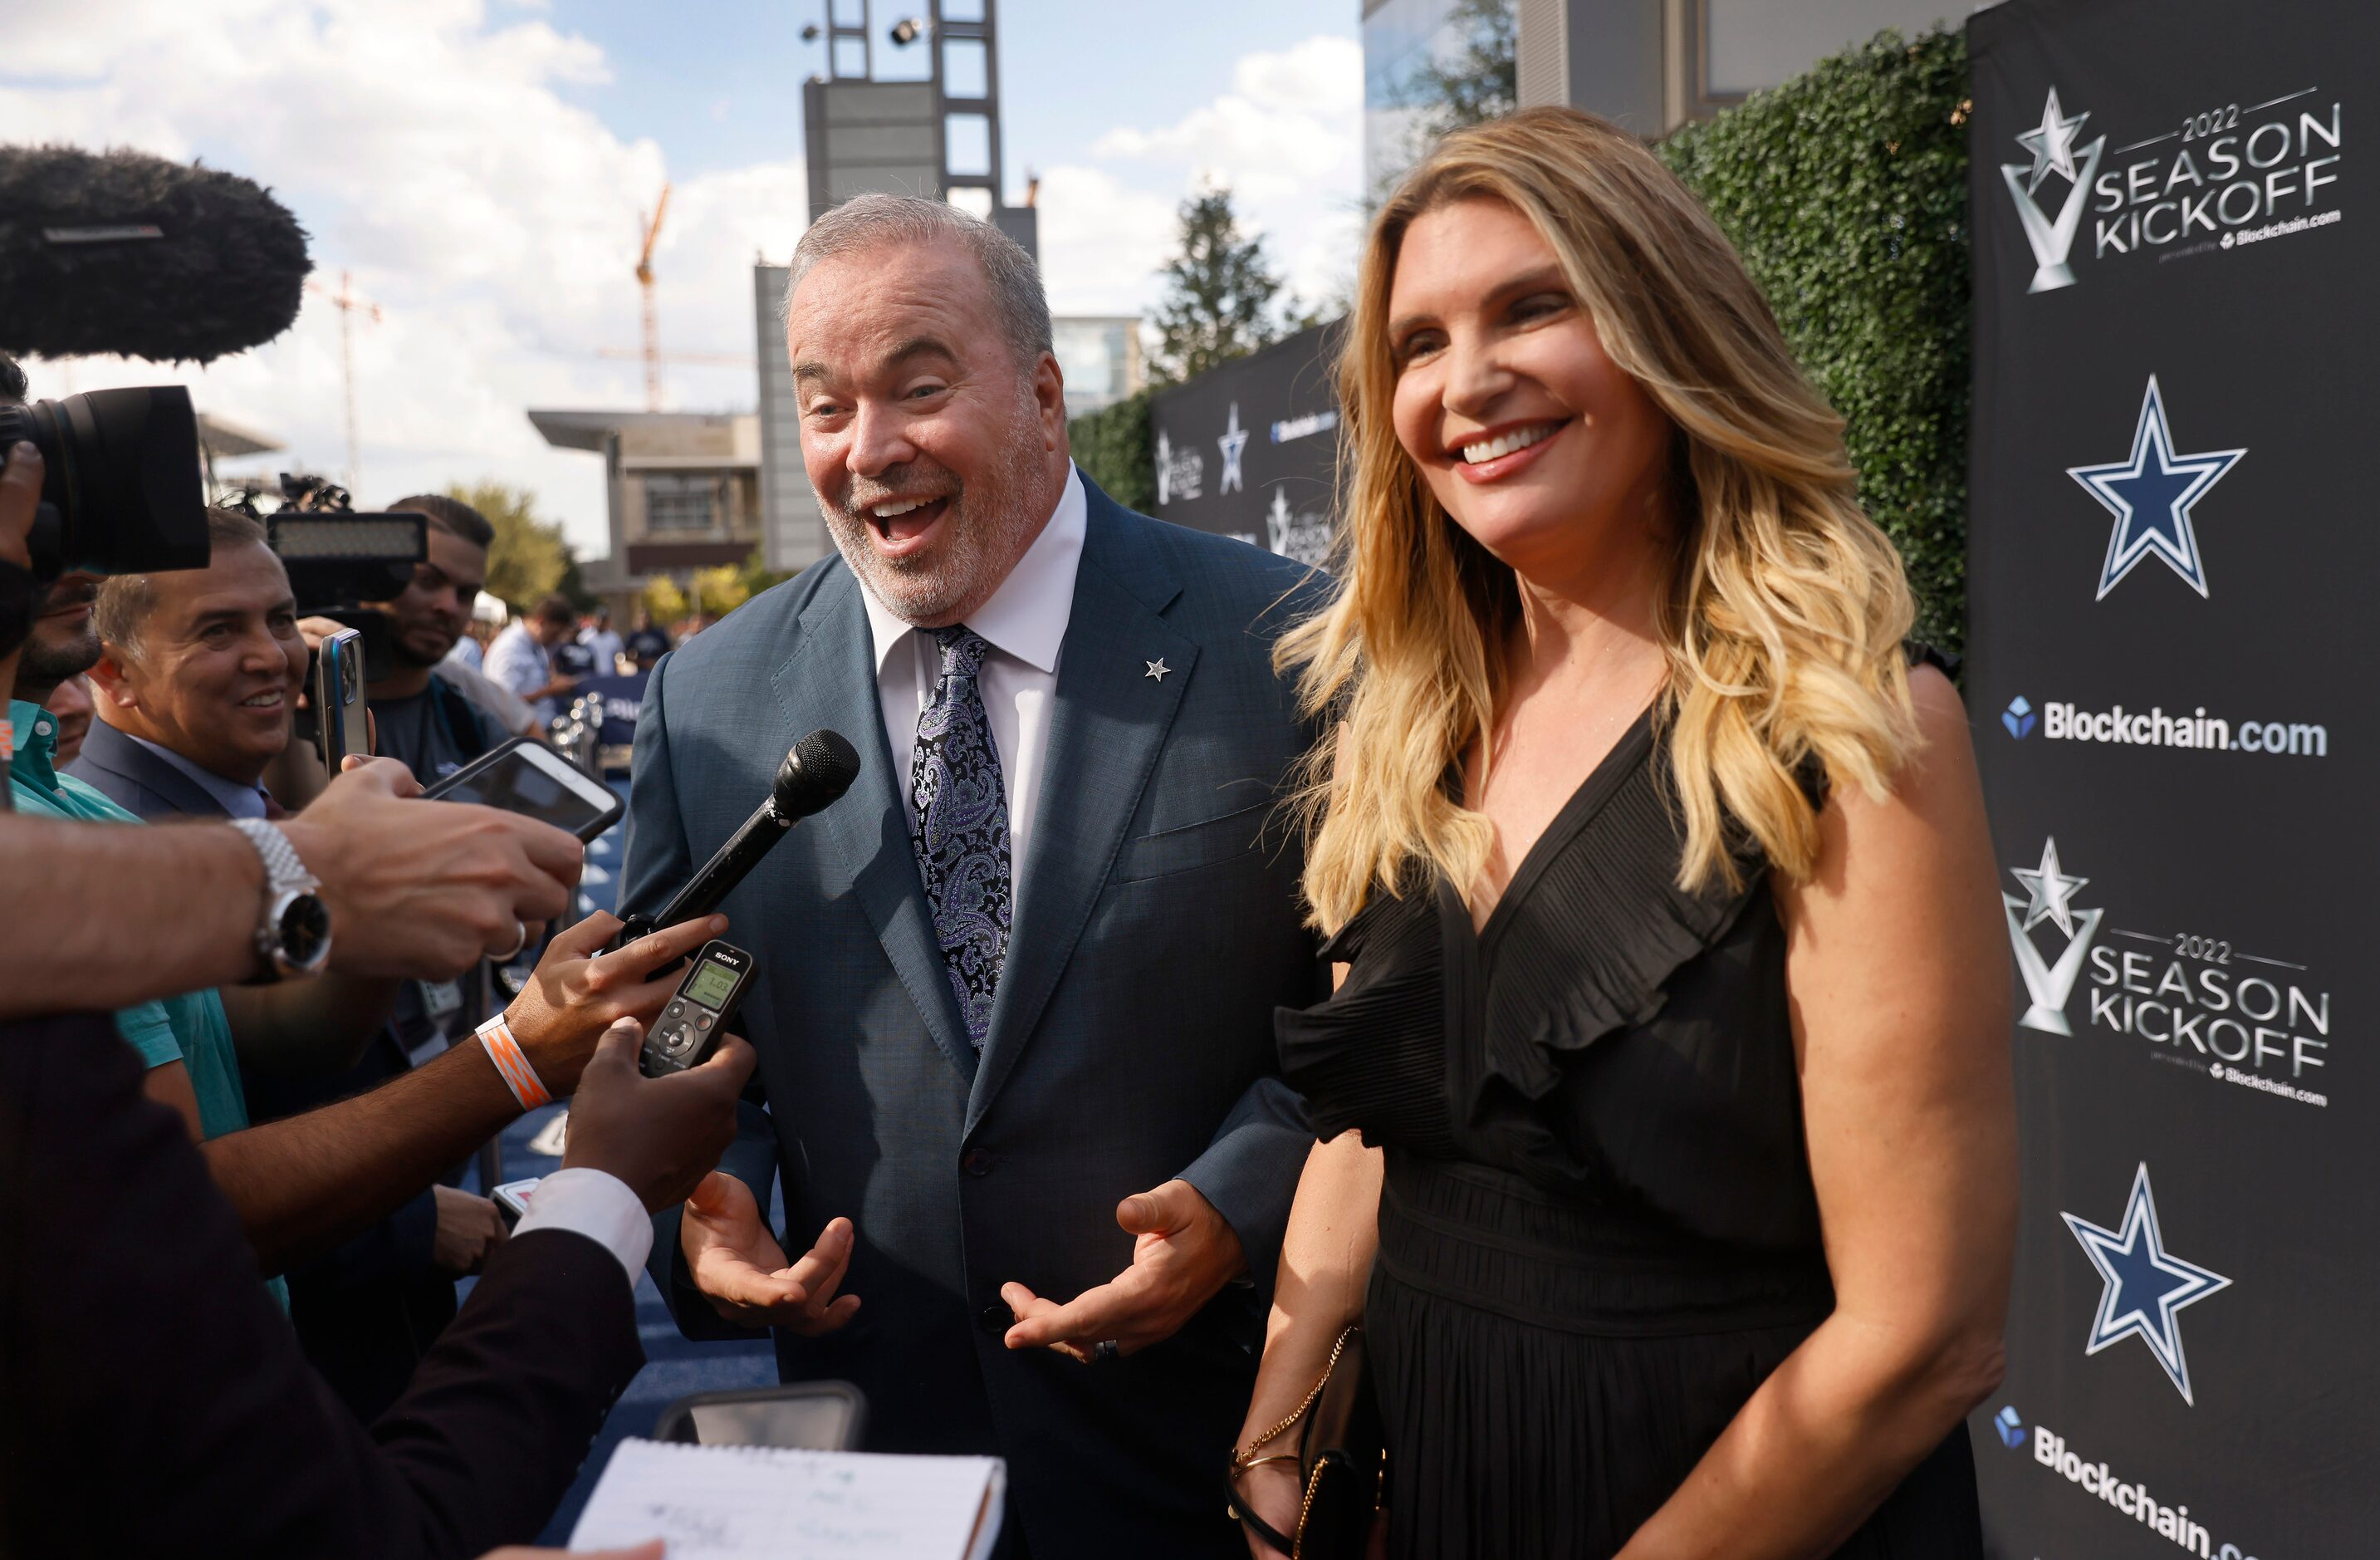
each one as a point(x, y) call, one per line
point(2150, 492)
point(2143, 1287)
point(2052, 146)
point(2049, 896)
point(1234, 441)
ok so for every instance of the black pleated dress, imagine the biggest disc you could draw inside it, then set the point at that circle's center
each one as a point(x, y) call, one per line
point(1598, 1232)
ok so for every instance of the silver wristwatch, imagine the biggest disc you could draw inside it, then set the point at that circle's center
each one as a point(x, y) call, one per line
point(293, 936)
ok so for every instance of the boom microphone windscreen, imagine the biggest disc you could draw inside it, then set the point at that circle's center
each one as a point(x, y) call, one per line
point(125, 253)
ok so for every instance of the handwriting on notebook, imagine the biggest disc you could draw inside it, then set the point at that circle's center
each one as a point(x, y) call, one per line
point(723, 1502)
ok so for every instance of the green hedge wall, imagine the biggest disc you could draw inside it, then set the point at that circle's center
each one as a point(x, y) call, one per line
point(1116, 450)
point(1846, 191)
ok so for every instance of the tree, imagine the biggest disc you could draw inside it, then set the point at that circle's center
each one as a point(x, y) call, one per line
point(1477, 81)
point(529, 558)
point(1219, 293)
point(1474, 79)
point(714, 592)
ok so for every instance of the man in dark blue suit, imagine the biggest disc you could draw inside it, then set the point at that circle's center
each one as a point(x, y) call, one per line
point(1014, 1014)
point(198, 672)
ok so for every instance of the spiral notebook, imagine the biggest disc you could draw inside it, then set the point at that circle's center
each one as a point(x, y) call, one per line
point(725, 1503)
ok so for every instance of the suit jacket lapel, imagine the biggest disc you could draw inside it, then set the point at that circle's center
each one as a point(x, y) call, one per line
point(108, 749)
point(1108, 727)
point(831, 680)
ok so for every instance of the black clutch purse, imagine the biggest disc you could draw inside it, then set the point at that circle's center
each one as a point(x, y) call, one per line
point(1342, 1463)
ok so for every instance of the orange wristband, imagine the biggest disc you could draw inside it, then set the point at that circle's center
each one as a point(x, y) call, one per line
point(506, 1052)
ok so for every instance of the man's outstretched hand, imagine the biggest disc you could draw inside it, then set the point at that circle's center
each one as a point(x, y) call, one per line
point(1184, 1251)
point(742, 1270)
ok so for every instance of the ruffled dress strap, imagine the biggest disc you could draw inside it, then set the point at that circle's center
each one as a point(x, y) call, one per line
point(1588, 936)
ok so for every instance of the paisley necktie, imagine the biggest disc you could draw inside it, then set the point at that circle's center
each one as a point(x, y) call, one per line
point(960, 830)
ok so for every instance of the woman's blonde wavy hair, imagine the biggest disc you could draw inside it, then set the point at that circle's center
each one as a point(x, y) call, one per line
point(1785, 608)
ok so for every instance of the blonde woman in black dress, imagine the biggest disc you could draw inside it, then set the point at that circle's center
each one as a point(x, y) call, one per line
point(1673, 1021)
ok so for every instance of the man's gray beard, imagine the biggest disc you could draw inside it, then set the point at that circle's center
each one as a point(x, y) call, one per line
point(991, 524)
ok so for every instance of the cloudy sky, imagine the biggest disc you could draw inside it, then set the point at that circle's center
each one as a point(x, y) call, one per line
point(479, 167)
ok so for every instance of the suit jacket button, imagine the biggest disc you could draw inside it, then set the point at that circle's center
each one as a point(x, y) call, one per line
point(996, 1319)
point(978, 1162)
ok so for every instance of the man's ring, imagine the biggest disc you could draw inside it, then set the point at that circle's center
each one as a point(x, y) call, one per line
point(514, 951)
point(1105, 1350)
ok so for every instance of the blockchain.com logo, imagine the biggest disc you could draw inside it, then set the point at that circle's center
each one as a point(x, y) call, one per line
point(2010, 1427)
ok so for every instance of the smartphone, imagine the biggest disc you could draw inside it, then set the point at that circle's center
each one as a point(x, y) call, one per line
point(693, 1019)
point(531, 779)
point(512, 1198)
point(336, 693)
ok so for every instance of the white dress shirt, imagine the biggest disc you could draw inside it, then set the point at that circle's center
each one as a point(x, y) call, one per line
point(597, 1205)
point(1025, 622)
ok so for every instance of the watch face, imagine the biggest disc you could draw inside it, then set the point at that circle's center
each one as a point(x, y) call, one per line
point(304, 929)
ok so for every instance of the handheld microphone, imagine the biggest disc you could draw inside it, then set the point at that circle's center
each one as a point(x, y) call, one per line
point(817, 770)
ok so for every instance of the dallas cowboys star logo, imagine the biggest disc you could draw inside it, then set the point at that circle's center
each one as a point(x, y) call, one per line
point(1233, 441)
point(2052, 145)
point(1157, 668)
point(2052, 891)
point(2149, 494)
point(2144, 1284)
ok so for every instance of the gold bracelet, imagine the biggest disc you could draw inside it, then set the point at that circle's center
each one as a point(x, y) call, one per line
point(1245, 1457)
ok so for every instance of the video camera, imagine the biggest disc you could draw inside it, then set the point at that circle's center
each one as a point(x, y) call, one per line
point(120, 487)
point(341, 562)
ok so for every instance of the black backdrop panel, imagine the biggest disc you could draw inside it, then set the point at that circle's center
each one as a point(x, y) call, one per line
point(1249, 449)
point(2176, 291)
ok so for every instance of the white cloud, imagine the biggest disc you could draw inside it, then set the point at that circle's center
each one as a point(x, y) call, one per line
point(1287, 140)
point(442, 152)
point(434, 154)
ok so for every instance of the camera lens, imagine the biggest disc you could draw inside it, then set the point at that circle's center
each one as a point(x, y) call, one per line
point(120, 468)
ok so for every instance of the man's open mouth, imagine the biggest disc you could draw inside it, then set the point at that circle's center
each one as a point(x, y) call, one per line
point(899, 520)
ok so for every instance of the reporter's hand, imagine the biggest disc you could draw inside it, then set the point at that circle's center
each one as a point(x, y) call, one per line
point(426, 889)
point(660, 1135)
point(20, 498)
point(1184, 1251)
point(741, 1270)
point(576, 990)
point(469, 1229)
point(316, 629)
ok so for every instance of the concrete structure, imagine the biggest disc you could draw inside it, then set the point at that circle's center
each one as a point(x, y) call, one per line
point(885, 118)
point(1650, 65)
point(682, 490)
point(1099, 357)
point(793, 537)
point(1653, 64)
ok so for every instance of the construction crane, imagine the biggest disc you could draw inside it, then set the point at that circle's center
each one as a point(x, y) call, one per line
point(346, 301)
point(645, 281)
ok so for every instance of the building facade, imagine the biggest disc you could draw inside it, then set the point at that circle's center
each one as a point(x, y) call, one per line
point(681, 490)
point(1100, 357)
point(1654, 64)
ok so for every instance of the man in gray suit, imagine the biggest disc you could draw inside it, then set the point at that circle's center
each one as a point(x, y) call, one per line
point(1015, 1008)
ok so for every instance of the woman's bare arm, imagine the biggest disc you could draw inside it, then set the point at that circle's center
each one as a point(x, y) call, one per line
point(1326, 1260)
point(1896, 971)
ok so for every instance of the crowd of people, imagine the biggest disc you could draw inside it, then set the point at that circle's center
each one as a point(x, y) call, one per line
point(1455, 983)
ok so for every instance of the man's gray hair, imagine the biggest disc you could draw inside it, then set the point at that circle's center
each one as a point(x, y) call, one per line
point(120, 607)
point(867, 222)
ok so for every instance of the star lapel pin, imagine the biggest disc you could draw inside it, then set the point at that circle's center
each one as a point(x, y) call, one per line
point(1157, 668)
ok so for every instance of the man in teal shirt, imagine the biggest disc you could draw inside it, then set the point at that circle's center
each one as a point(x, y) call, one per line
point(189, 1030)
